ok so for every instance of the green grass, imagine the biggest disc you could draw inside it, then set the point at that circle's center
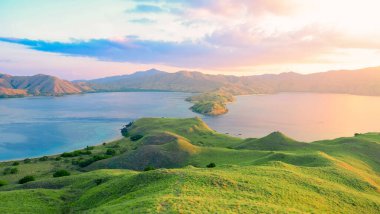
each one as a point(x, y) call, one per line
point(211, 103)
point(274, 174)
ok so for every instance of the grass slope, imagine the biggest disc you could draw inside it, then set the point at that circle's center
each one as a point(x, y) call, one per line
point(274, 174)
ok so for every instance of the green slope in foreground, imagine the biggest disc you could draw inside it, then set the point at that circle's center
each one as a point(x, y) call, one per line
point(274, 174)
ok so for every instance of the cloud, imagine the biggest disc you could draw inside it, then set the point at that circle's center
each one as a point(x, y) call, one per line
point(143, 21)
point(146, 8)
point(129, 49)
point(239, 45)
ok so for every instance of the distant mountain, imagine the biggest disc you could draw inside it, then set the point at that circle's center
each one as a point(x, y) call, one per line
point(45, 85)
point(361, 82)
point(159, 80)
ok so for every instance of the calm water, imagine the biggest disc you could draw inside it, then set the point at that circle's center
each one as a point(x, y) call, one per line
point(302, 116)
point(37, 126)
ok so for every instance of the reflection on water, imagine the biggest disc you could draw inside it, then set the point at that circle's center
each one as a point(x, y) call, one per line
point(302, 116)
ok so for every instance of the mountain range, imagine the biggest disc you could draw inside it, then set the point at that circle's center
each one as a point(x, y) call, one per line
point(359, 82)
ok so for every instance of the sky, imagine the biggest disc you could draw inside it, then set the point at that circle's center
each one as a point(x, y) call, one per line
point(86, 39)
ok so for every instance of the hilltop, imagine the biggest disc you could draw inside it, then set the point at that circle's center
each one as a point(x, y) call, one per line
point(273, 174)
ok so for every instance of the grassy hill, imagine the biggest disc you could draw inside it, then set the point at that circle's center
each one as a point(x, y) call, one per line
point(274, 174)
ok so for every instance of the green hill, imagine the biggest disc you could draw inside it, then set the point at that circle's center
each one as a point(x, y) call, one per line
point(273, 174)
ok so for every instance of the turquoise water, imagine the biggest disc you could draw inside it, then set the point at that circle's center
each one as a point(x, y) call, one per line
point(35, 126)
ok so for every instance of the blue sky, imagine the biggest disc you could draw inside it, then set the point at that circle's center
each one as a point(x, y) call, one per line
point(77, 39)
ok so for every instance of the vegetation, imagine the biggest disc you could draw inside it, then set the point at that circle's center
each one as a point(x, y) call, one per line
point(3, 183)
point(148, 168)
point(136, 137)
point(274, 174)
point(44, 158)
point(211, 103)
point(61, 173)
point(124, 130)
point(26, 179)
point(8, 170)
point(211, 165)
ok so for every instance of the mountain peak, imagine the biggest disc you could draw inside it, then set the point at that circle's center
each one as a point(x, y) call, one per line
point(151, 71)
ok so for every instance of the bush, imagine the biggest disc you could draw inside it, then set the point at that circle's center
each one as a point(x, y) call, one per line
point(10, 171)
point(61, 173)
point(27, 160)
point(89, 161)
point(44, 158)
point(26, 179)
point(211, 165)
point(76, 153)
point(111, 152)
point(148, 168)
point(14, 171)
point(3, 183)
point(15, 163)
point(136, 137)
point(58, 158)
point(98, 181)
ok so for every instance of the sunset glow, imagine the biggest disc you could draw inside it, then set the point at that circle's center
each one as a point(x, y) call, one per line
point(82, 39)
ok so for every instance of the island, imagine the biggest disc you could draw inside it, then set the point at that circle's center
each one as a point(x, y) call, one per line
point(211, 103)
point(168, 165)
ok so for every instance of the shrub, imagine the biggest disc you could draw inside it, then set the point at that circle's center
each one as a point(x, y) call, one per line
point(58, 158)
point(26, 179)
point(110, 152)
point(76, 153)
point(27, 160)
point(104, 143)
point(148, 168)
point(89, 161)
point(3, 183)
point(14, 170)
point(211, 165)
point(98, 181)
point(44, 158)
point(61, 173)
point(136, 137)
point(15, 163)
point(10, 171)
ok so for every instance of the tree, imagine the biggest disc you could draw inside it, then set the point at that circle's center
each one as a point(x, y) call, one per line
point(61, 173)
point(211, 165)
point(26, 179)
